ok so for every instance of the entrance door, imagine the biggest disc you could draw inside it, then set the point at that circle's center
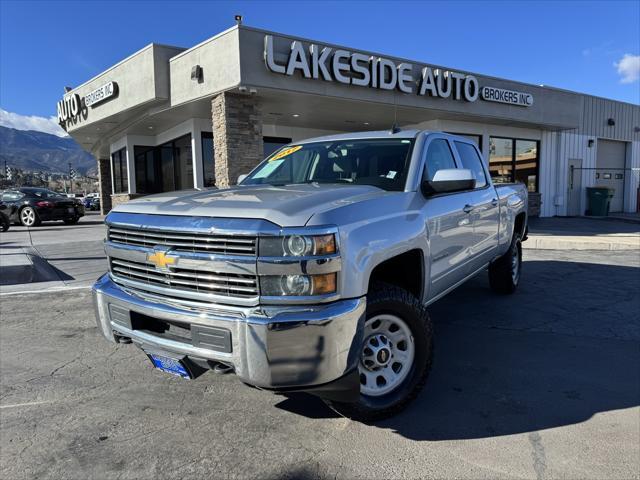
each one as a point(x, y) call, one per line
point(610, 170)
point(574, 193)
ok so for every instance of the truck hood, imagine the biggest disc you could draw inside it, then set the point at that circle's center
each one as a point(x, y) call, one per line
point(286, 206)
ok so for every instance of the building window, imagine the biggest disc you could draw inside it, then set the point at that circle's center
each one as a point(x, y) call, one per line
point(119, 169)
point(271, 144)
point(164, 168)
point(514, 160)
point(208, 160)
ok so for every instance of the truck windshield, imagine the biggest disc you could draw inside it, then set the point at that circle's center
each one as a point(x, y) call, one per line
point(381, 163)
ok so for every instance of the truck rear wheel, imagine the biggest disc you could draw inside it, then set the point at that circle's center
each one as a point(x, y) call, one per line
point(504, 273)
point(396, 354)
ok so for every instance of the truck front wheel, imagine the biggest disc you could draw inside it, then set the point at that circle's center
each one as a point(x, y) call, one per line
point(504, 273)
point(395, 357)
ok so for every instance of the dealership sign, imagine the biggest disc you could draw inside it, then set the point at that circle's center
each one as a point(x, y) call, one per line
point(72, 105)
point(101, 94)
point(501, 95)
point(353, 68)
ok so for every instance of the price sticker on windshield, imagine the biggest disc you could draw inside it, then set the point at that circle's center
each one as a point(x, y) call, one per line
point(285, 152)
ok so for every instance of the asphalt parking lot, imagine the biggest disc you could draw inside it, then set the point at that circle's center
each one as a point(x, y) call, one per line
point(541, 384)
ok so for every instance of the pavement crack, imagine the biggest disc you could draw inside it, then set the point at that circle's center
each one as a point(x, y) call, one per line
point(539, 456)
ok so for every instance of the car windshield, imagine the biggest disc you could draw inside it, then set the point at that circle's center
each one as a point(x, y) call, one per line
point(45, 193)
point(381, 163)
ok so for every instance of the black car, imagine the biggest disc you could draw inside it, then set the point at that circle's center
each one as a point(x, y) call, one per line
point(29, 206)
point(5, 223)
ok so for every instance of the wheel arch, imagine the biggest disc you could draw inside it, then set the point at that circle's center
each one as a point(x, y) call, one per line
point(405, 270)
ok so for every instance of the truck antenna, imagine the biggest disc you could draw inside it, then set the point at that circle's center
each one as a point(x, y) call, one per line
point(395, 128)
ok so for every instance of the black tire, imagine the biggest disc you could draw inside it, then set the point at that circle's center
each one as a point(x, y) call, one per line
point(5, 224)
point(505, 272)
point(26, 223)
point(71, 221)
point(389, 299)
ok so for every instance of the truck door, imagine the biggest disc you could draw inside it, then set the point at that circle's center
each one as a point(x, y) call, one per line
point(483, 206)
point(449, 227)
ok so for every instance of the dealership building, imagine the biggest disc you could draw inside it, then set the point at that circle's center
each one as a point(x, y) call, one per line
point(169, 118)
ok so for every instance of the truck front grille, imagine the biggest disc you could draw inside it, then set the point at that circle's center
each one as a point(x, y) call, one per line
point(182, 282)
point(184, 242)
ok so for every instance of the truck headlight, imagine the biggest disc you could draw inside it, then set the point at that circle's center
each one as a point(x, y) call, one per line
point(298, 245)
point(298, 285)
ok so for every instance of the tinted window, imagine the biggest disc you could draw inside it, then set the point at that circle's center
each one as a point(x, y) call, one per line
point(471, 160)
point(45, 194)
point(11, 196)
point(439, 157)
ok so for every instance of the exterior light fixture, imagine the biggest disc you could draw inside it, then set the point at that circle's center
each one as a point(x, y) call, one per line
point(611, 122)
point(590, 142)
point(242, 89)
point(238, 19)
point(196, 73)
point(295, 115)
point(253, 91)
point(366, 123)
point(150, 127)
point(67, 89)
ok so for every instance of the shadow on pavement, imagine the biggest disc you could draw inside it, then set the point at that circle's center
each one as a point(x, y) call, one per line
point(581, 226)
point(554, 354)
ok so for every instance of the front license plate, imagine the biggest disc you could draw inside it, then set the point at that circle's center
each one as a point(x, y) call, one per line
point(170, 365)
point(71, 210)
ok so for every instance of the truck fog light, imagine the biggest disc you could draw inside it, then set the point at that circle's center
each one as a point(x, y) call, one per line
point(298, 285)
point(295, 284)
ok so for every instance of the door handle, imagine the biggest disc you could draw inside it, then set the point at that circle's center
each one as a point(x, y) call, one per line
point(467, 208)
point(494, 202)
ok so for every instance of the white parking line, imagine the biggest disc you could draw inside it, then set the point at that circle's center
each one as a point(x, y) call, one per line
point(28, 404)
point(59, 289)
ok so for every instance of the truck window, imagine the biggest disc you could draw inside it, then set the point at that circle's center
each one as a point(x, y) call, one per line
point(439, 157)
point(471, 160)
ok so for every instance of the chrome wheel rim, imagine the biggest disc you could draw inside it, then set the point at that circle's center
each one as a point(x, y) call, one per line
point(28, 217)
point(515, 265)
point(387, 355)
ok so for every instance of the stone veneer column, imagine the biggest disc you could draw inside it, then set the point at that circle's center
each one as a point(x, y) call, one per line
point(104, 176)
point(237, 136)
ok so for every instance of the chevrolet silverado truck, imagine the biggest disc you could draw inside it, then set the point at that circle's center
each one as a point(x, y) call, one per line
point(315, 272)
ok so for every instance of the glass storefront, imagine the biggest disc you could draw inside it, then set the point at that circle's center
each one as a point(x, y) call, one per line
point(514, 160)
point(164, 168)
point(271, 144)
point(120, 172)
point(208, 160)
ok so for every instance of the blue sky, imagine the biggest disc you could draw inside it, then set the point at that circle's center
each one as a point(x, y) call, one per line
point(574, 45)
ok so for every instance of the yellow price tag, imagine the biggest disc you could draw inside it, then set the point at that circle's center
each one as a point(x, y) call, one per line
point(285, 152)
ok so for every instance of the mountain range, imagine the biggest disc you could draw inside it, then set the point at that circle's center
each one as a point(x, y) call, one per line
point(39, 151)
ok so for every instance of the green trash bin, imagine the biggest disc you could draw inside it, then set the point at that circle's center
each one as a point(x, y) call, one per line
point(599, 199)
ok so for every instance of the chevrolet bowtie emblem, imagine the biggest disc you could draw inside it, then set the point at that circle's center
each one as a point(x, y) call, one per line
point(161, 260)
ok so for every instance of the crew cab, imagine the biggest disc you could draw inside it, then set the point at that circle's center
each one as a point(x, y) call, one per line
point(315, 273)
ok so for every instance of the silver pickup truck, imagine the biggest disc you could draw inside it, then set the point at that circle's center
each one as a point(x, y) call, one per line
point(315, 272)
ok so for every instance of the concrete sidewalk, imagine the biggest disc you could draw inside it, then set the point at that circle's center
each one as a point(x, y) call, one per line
point(52, 256)
point(582, 233)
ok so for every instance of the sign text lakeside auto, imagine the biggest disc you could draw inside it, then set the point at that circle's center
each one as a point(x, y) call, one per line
point(353, 68)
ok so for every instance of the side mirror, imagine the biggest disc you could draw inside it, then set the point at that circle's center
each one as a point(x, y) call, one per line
point(241, 178)
point(449, 180)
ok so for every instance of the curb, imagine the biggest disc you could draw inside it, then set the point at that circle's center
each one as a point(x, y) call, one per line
point(578, 243)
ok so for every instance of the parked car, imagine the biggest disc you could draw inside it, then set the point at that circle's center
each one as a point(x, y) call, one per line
point(29, 206)
point(315, 273)
point(91, 203)
point(5, 223)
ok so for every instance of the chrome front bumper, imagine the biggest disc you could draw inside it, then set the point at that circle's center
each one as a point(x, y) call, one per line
point(270, 346)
